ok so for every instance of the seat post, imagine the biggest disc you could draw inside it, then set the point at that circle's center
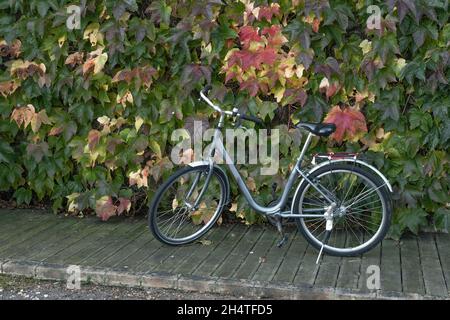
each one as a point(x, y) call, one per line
point(305, 147)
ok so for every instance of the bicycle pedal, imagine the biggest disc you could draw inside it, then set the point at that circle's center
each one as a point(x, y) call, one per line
point(283, 241)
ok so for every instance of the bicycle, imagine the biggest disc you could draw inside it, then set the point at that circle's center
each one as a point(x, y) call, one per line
point(342, 206)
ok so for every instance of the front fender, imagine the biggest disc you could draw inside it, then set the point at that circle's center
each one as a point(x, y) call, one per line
point(221, 173)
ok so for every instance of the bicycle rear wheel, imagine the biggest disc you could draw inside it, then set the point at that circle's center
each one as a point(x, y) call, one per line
point(181, 211)
point(361, 217)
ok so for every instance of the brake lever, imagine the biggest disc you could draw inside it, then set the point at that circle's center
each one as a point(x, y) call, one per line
point(238, 123)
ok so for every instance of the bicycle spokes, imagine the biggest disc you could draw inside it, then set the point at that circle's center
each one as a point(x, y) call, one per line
point(357, 213)
point(185, 206)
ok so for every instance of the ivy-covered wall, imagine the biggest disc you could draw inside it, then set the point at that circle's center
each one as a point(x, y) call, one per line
point(91, 93)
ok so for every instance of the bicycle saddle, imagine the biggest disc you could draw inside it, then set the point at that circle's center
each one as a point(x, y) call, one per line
point(319, 129)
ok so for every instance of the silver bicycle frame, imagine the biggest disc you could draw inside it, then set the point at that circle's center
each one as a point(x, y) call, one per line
point(276, 209)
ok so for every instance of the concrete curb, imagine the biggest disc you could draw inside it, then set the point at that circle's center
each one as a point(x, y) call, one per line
point(255, 289)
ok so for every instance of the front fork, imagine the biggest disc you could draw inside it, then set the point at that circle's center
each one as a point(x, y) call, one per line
point(194, 206)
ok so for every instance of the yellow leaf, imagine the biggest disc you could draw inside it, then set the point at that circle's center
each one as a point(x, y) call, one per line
point(61, 41)
point(279, 93)
point(92, 33)
point(100, 62)
point(205, 242)
point(366, 46)
point(39, 119)
point(299, 71)
point(138, 122)
point(174, 204)
point(324, 84)
point(127, 97)
point(399, 65)
point(251, 184)
point(139, 178)
point(104, 120)
point(380, 133)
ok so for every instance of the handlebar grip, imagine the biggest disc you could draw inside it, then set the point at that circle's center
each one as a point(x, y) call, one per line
point(206, 89)
point(252, 119)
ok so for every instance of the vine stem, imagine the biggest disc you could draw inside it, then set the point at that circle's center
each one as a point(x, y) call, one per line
point(406, 103)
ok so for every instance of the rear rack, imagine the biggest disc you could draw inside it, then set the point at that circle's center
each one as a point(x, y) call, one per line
point(320, 157)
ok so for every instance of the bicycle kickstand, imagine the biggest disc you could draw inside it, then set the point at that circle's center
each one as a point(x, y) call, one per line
point(325, 241)
point(329, 227)
point(284, 237)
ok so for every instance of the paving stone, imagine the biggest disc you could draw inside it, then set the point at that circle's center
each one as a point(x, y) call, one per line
point(240, 260)
point(159, 280)
point(52, 272)
point(117, 278)
point(20, 268)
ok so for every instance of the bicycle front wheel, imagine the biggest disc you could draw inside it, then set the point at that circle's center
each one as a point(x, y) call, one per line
point(361, 213)
point(184, 208)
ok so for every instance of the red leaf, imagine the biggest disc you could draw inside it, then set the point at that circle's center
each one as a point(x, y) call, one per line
point(267, 56)
point(296, 96)
point(272, 30)
point(8, 87)
point(229, 76)
point(332, 89)
point(88, 66)
point(143, 74)
point(38, 150)
point(11, 50)
point(329, 89)
point(23, 115)
point(316, 25)
point(93, 138)
point(55, 131)
point(75, 59)
point(251, 86)
point(25, 69)
point(124, 75)
point(193, 73)
point(147, 74)
point(248, 34)
point(349, 122)
point(112, 144)
point(246, 58)
point(124, 205)
point(229, 43)
point(105, 208)
point(274, 36)
point(268, 12)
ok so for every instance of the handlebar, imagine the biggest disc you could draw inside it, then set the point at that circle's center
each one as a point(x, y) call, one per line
point(204, 97)
point(252, 119)
point(235, 111)
point(206, 89)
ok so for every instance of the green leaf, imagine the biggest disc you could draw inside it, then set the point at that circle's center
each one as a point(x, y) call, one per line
point(154, 145)
point(267, 108)
point(6, 152)
point(23, 196)
point(442, 219)
point(42, 7)
point(413, 219)
point(221, 33)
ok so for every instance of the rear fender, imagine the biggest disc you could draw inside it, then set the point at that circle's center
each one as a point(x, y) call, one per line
point(356, 161)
